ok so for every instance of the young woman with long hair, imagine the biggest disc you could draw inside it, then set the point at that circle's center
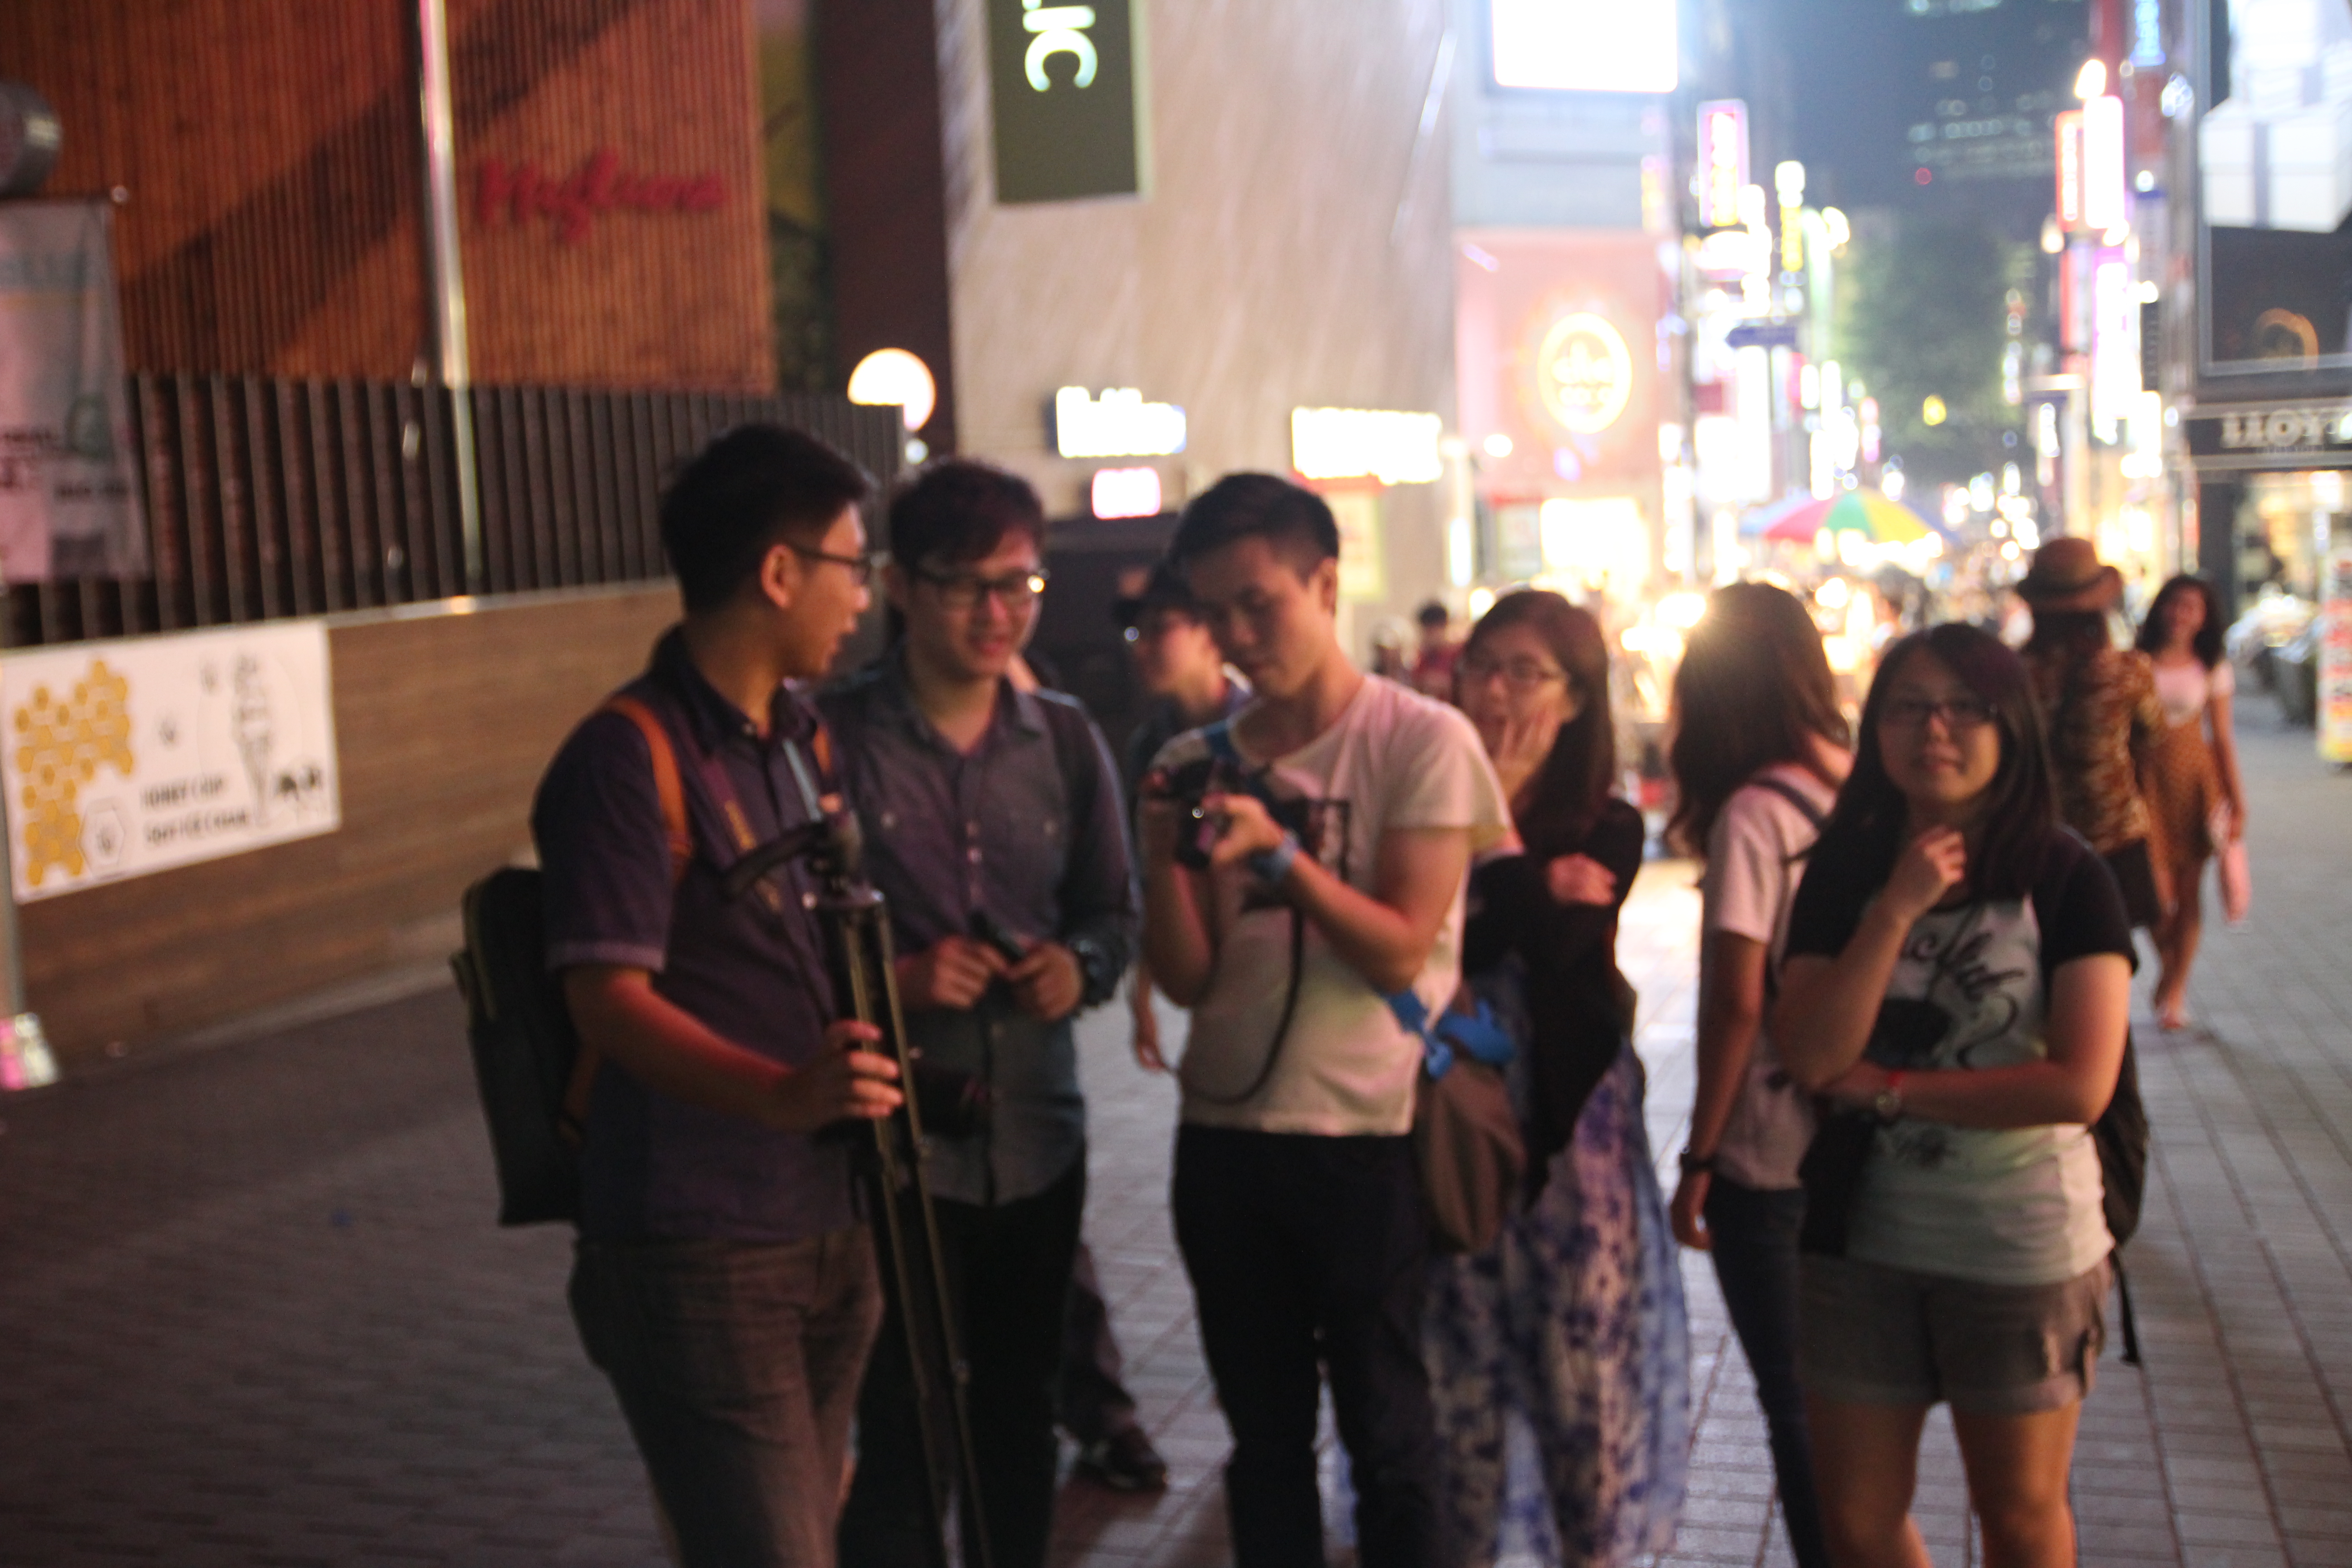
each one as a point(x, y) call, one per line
point(1958, 983)
point(2191, 769)
point(1758, 754)
point(1573, 1319)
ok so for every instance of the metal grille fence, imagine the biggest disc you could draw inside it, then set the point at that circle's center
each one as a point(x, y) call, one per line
point(270, 498)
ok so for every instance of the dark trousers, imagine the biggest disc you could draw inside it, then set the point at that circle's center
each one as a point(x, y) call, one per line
point(1755, 1256)
point(1008, 1269)
point(1308, 1253)
point(1089, 1400)
point(737, 1367)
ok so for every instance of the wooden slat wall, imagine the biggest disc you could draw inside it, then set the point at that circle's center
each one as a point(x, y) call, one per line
point(268, 499)
point(672, 298)
point(444, 726)
point(271, 152)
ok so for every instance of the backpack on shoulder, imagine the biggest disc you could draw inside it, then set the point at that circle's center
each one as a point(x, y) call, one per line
point(533, 1071)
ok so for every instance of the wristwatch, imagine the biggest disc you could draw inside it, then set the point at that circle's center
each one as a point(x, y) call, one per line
point(1097, 970)
point(1695, 1163)
point(1887, 1103)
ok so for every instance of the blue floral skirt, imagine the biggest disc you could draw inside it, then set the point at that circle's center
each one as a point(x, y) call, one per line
point(1560, 1358)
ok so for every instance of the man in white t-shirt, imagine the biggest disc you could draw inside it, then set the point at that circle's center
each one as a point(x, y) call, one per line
point(1300, 869)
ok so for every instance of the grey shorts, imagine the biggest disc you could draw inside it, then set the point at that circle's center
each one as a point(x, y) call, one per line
point(1872, 1336)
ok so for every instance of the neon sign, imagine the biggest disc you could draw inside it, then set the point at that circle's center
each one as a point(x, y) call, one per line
point(1058, 30)
point(1584, 374)
point(1394, 447)
point(1722, 161)
point(1118, 423)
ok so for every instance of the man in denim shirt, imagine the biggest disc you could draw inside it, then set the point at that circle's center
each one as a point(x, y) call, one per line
point(979, 799)
point(723, 1282)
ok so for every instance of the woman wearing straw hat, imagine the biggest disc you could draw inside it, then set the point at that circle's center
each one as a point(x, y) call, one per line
point(2100, 708)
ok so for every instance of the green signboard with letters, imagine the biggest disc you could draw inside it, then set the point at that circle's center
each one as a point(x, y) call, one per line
point(1067, 84)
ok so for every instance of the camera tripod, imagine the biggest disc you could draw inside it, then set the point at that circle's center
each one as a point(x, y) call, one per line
point(857, 922)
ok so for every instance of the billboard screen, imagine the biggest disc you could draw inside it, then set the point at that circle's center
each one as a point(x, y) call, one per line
point(1586, 46)
point(2274, 186)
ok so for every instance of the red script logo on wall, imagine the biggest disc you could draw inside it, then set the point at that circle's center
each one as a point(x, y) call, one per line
point(573, 203)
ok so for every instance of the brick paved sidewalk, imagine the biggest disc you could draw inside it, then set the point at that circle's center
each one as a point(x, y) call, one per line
point(254, 1311)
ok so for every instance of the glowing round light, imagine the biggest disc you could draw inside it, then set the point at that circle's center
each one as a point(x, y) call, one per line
point(895, 376)
point(1584, 372)
point(1682, 611)
point(1498, 444)
point(1933, 412)
point(1481, 601)
point(2091, 81)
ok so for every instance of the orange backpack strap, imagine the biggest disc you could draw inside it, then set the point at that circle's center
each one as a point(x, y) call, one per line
point(671, 789)
point(668, 784)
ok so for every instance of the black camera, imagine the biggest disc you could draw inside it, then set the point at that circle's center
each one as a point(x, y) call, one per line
point(1191, 786)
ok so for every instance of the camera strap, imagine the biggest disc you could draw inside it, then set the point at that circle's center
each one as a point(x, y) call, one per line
point(1219, 737)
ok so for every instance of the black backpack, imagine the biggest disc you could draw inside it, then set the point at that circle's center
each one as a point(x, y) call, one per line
point(529, 1064)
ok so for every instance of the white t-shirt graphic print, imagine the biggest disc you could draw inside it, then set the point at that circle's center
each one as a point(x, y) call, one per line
point(1393, 759)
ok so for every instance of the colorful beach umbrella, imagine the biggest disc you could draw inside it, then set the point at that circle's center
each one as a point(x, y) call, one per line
point(1864, 512)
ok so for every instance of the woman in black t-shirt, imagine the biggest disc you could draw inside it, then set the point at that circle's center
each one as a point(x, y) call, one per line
point(1958, 973)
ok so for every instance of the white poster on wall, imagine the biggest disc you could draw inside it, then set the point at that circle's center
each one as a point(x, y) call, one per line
point(123, 758)
point(69, 507)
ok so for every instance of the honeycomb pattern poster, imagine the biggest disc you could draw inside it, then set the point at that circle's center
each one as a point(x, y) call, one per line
point(123, 758)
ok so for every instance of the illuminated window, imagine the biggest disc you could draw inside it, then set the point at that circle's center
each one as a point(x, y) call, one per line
point(1588, 46)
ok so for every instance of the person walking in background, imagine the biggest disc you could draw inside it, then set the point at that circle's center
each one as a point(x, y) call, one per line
point(2101, 713)
point(1758, 752)
point(1432, 661)
point(1572, 1320)
point(2190, 775)
point(1297, 1201)
point(1958, 984)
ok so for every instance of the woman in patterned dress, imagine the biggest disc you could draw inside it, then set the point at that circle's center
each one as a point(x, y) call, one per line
point(1571, 1326)
point(2100, 714)
point(2190, 771)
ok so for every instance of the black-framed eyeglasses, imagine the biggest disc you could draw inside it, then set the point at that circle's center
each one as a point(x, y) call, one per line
point(963, 591)
point(1958, 713)
point(1519, 674)
point(861, 567)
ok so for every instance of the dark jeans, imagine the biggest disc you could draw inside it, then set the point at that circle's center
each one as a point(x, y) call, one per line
point(1008, 1268)
point(1089, 1400)
point(1755, 1258)
point(1308, 1253)
point(736, 1366)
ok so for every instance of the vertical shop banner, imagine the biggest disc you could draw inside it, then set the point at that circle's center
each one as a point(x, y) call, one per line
point(129, 757)
point(2334, 706)
point(1066, 83)
point(68, 504)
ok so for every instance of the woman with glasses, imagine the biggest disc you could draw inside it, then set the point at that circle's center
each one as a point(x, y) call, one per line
point(1758, 752)
point(1570, 1328)
point(2190, 776)
point(1957, 984)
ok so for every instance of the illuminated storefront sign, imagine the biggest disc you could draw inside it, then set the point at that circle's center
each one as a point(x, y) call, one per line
point(1126, 492)
point(2106, 190)
point(1118, 423)
point(2069, 131)
point(1722, 161)
point(2115, 341)
point(1584, 374)
point(1063, 87)
point(1394, 447)
point(1587, 46)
